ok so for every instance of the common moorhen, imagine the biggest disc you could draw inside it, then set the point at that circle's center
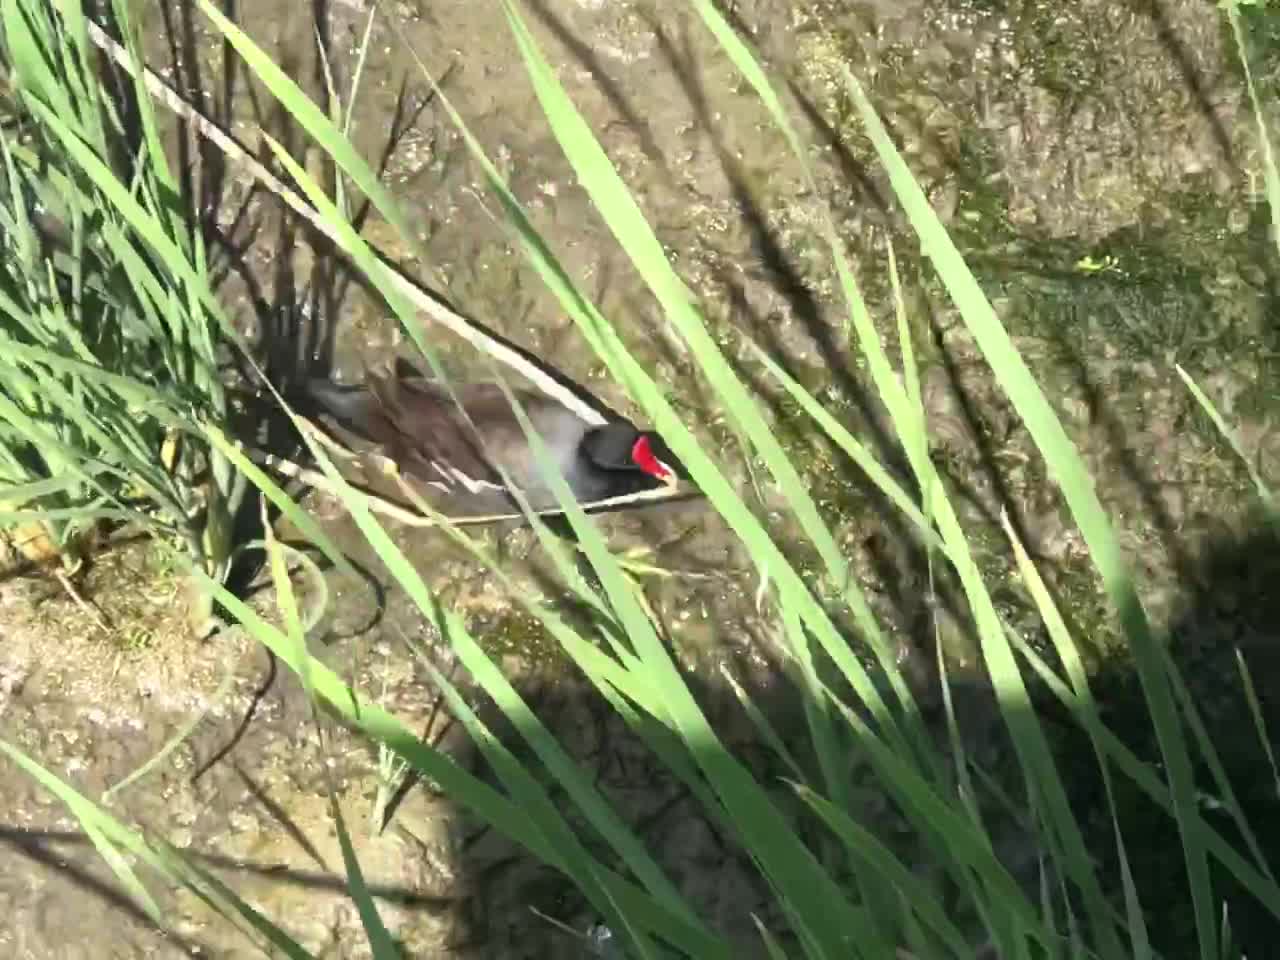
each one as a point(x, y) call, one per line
point(419, 426)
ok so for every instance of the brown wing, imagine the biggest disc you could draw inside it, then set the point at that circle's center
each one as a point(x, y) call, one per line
point(426, 435)
point(432, 431)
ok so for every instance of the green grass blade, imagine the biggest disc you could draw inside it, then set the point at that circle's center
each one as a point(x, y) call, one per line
point(508, 816)
point(826, 915)
point(761, 722)
point(286, 602)
point(482, 668)
point(1263, 888)
point(158, 165)
point(856, 452)
point(166, 860)
point(1069, 655)
point(933, 814)
point(223, 899)
point(28, 40)
point(179, 738)
point(1264, 491)
point(770, 942)
point(959, 753)
point(1068, 469)
point(886, 868)
point(1259, 722)
point(907, 417)
point(128, 388)
point(629, 227)
point(539, 840)
point(95, 824)
point(742, 786)
point(295, 514)
point(1029, 739)
point(617, 680)
point(1270, 173)
point(567, 773)
point(572, 858)
point(19, 494)
point(1210, 754)
point(380, 941)
point(710, 480)
point(823, 733)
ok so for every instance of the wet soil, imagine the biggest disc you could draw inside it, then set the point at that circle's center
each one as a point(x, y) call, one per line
point(1095, 161)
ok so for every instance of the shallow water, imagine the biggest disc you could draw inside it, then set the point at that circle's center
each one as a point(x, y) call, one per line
point(1093, 162)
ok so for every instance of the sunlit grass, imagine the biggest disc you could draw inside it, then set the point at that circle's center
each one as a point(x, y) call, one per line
point(109, 334)
point(849, 893)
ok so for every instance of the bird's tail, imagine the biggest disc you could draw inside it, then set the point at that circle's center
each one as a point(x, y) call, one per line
point(354, 406)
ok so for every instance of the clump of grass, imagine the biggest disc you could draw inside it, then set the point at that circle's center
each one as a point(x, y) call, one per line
point(850, 892)
point(109, 336)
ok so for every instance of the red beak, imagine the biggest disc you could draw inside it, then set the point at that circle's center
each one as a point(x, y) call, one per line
point(642, 456)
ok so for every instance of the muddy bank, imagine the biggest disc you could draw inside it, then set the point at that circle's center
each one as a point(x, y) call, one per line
point(1094, 164)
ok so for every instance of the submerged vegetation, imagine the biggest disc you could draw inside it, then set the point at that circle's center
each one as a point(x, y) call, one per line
point(1100, 811)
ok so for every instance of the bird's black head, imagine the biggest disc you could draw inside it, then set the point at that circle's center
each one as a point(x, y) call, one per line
point(618, 445)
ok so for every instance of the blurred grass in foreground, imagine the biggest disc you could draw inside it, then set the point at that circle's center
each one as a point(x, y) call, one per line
point(850, 893)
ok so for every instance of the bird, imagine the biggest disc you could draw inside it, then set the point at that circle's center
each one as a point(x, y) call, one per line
point(473, 448)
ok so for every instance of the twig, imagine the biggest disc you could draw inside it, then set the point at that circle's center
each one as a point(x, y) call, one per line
point(86, 606)
point(425, 304)
point(379, 504)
